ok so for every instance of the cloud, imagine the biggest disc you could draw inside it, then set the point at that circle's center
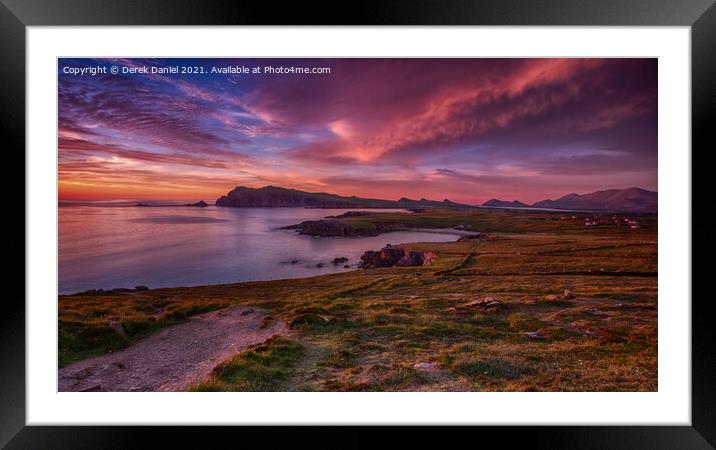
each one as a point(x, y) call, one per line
point(562, 96)
point(80, 147)
point(456, 126)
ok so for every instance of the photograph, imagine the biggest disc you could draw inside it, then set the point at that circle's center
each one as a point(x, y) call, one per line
point(357, 224)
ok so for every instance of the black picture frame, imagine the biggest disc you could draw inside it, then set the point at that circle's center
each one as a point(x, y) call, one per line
point(16, 15)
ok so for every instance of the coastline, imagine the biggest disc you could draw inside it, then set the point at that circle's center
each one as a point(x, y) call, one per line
point(368, 224)
point(566, 292)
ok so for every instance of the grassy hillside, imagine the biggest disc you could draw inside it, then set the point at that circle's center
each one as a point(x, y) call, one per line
point(367, 330)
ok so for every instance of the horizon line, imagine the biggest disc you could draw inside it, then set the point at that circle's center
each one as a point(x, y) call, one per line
point(177, 199)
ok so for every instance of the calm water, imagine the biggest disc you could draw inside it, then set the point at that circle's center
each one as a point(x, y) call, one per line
point(109, 246)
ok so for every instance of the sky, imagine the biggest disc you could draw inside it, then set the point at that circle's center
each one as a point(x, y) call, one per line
point(463, 129)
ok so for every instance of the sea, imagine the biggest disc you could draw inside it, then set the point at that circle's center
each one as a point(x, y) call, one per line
point(121, 245)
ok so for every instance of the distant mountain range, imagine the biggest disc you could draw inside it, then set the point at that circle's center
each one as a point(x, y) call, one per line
point(495, 203)
point(613, 200)
point(626, 200)
point(273, 196)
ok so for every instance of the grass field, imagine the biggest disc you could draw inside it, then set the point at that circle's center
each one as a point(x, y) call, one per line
point(367, 330)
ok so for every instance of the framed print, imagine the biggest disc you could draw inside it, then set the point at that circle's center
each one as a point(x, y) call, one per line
point(242, 216)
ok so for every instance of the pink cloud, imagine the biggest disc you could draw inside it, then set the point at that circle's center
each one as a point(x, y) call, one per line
point(462, 109)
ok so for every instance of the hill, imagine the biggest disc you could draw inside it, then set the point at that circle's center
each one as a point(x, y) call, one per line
point(635, 200)
point(616, 200)
point(273, 196)
point(495, 203)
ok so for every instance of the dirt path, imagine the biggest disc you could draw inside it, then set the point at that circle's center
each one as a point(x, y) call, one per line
point(174, 358)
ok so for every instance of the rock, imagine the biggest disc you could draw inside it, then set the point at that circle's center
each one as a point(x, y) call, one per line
point(346, 266)
point(415, 258)
point(339, 260)
point(118, 328)
point(247, 311)
point(425, 366)
point(294, 261)
point(199, 204)
point(568, 294)
point(534, 334)
point(390, 256)
point(487, 302)
point(319, 265)
point(141, 288)
point(551, 298)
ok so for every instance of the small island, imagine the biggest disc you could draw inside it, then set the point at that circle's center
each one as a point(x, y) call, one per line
point(199, 204)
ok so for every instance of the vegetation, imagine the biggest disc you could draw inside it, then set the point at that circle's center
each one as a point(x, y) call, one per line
point(413, 328)
point(262, 367)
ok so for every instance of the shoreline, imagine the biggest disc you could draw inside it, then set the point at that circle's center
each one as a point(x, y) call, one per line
point(353, 268)
point(364, 226)
point(509, 290)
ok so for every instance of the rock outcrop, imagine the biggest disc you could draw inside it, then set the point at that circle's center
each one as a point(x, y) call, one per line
point(390, 256)
point(331, 227)
point(324, 228)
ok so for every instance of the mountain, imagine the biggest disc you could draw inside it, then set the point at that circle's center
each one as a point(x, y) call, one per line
point(273, 196)
point(505, 204)
point(614, 200)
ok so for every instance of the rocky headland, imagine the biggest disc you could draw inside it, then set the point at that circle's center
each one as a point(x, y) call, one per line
point(274, 196)
point(332, 227)
point(395, 256)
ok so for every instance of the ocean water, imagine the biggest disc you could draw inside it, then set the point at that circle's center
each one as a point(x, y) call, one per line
point(113, 246)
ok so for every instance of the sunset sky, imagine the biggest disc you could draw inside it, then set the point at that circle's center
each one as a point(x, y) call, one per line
point(463, 129)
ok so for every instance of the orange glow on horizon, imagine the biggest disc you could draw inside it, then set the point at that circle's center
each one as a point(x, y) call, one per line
point(464, 129)
point(82, 192)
